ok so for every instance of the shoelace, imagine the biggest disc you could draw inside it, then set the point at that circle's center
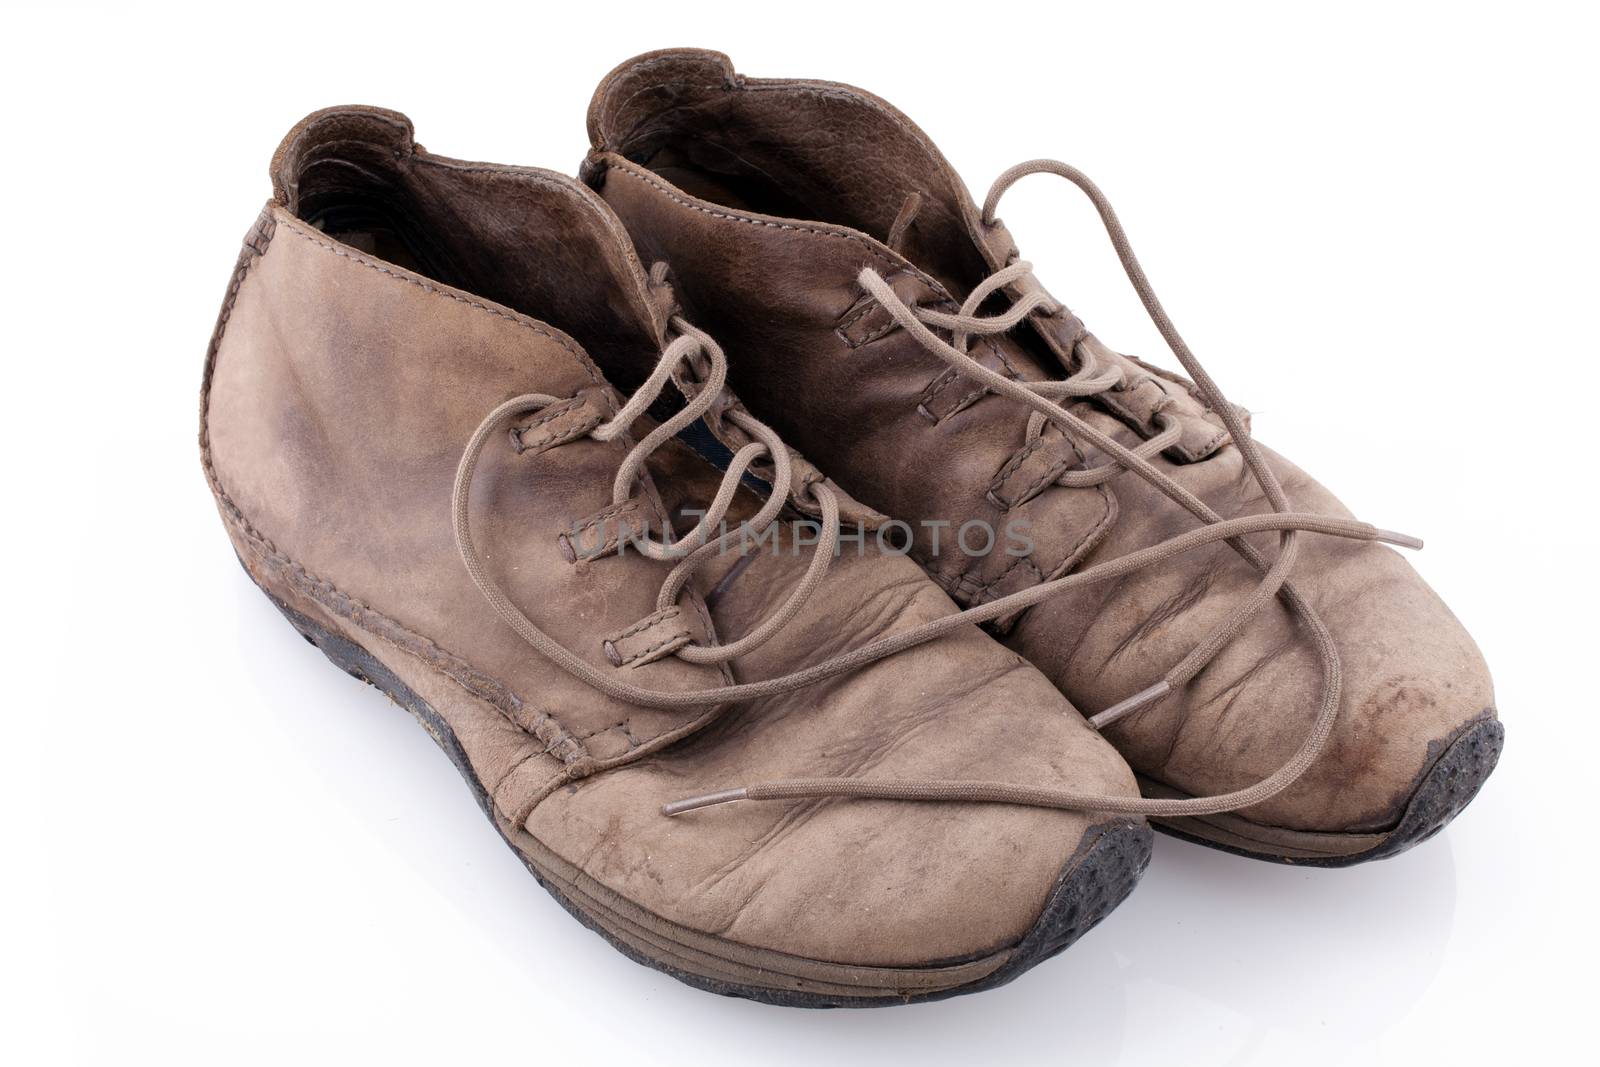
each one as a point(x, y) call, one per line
point(1043, 400)
point(692, 550)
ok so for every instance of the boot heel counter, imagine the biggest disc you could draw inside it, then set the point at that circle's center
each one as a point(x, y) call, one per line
point(254, 247)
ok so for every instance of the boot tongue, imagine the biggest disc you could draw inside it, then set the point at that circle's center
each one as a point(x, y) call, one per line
point(933, 230)
point(903, 220)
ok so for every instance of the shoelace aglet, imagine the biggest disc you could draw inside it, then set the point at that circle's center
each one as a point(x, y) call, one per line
point(726, 796)
point(1400, 539)
point(1133, 703)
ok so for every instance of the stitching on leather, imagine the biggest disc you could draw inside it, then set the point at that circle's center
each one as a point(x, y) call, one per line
point(1017, 459)
point(607, 512)
point(623, 726)
point(582, 361)
point(519, 814)
point(643, 653)
point(565, 343)
point(627, 167)
point(1216, 439)
point(964, 580)
point(967, 401)
point(853, 316)
point(1048, 475)
point(961, 404)
point(384, 269)
point(871, 335)
point(609, 540)
point(549, 440)
point(648, 621)
point(964, 402)
point(1022, 561)
point(850, 320)
point(864, 307)
point(558, 741)
point(677, 635)
point(535, 752)
point(1076, 553)
point(546, 727)
point(549, 414)
point(1090, 539)
point(1000, 354)
point(882, 331)
point(658, 646)
point(1190, 407)
point(521, 442)
point(938, 385)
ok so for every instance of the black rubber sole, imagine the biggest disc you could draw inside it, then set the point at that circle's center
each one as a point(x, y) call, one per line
point(1448, 786)
point(1107, 865)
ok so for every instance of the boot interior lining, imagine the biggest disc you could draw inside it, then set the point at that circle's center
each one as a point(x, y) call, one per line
point(794, 150)
point(512, 236)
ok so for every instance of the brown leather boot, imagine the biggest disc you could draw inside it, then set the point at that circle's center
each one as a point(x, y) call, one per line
point(1298, 694)
point(408, 425)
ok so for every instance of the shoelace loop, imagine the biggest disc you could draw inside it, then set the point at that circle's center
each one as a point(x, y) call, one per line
point(1043, 400)
point(698, 546)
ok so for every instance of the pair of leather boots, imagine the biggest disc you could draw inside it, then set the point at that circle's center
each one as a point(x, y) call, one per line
point(812, 602)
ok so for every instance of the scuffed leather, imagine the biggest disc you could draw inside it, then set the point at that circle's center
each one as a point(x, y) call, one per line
point(339, 393)
point(1412, 675)
point(823, 388)
point(865, 882)
point(336, 425)
point(691, 169)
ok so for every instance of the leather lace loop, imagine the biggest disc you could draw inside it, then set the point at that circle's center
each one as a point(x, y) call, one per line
point(1044, 401)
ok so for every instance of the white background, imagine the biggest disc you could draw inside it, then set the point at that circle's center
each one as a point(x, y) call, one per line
point(1377, 225)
